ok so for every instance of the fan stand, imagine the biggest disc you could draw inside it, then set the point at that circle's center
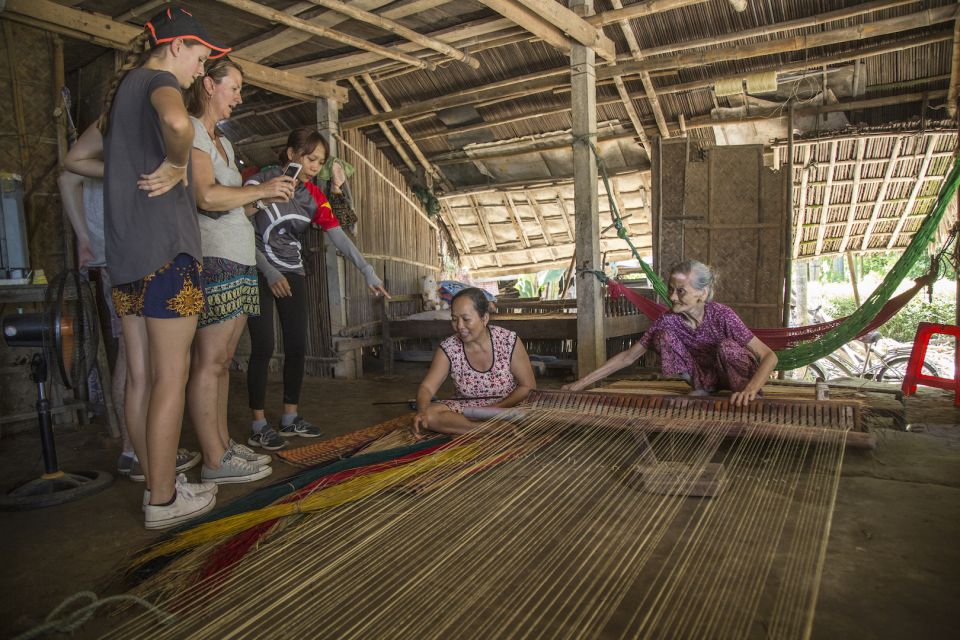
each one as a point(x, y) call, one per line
point(54, 486)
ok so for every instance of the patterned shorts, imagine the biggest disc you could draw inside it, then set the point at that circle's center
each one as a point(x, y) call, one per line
point(175, 290)
point(231, 290)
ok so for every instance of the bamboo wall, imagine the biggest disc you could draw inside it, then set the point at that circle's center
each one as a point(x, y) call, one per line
point(28, 138)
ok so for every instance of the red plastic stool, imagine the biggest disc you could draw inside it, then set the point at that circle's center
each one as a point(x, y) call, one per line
point(915, 375)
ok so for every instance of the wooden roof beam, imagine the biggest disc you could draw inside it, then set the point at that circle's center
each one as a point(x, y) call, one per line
point(908, 209)
point(954, 72)
point(881, 194)
point(281, 17)
point(683, 60)
point(107, 32)
point(854, 196)
point(645, 78)
point(532, 22)
point(372, 108)
point(395, 27)
point(573, 26)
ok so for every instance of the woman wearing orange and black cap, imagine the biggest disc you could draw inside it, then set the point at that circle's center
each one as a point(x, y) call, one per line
point(153, 244)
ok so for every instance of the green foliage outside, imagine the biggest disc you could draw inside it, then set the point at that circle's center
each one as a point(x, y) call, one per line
point(903, 326)
point(835, 269)
point(532, 285)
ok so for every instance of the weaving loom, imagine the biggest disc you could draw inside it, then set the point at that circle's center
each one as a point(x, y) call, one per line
point(575, 518)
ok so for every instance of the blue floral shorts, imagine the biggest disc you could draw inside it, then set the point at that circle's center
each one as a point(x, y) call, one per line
point(175, 290)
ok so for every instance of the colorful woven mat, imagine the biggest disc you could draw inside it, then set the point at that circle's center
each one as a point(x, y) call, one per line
point(342, 446)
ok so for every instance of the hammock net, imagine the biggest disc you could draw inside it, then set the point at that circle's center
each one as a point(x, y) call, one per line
point(800, 346)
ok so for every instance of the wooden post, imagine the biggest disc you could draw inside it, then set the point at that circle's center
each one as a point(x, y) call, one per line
point(853, 277)
point(591, 348)
point(328, 124)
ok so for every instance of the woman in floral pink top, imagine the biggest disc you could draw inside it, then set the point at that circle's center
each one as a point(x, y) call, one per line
point(489, 366)
point(701, 341)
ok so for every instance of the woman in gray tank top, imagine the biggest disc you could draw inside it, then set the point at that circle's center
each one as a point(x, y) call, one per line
point(153, 246)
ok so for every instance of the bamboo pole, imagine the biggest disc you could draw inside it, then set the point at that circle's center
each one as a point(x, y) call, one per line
point(634, 116)
point(645, 78)
point(565, 216)
point(952, 92)
point(572, 25)
point(881, 194)
point(787, 25)
point(802, 205)
point(273, 15)
point(854, 196)
point(484, 223)
point(382, 99)
point(914, 193)
point(685, 60)
point(517, 223)
point(825, 210)
point(538, 214)
point(388, 134)
point(853, 278)
point(395, 27)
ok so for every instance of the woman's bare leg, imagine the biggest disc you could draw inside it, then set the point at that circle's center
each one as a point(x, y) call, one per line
point(138, 381)
point(443, 419)
point(169, 342)
point(223, 416)
point(207, 365)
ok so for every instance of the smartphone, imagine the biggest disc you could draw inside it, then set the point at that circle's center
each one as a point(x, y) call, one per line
point(292, 170)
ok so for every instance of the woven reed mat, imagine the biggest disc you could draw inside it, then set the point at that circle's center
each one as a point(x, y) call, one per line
point(346, 445)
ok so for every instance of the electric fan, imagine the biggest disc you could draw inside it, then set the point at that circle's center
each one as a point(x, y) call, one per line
point(65, 333)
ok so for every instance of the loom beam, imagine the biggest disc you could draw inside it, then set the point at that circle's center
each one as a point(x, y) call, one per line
point(799, 420)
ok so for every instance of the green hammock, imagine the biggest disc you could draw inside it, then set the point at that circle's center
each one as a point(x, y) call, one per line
point(804, 354)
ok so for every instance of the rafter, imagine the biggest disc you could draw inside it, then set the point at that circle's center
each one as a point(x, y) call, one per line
point(881, 194)
point(395, 27)
point(573, 25)
point(273, 15)
point(388, 134)
point(107, 32)
point(645, 78)
point(914, 193)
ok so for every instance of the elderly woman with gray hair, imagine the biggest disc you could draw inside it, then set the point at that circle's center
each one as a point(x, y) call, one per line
point(701, 341)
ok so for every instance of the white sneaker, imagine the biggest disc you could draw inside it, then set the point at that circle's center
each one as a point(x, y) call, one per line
point(194, 487)
point(234, 469)
point(186, 506)
point(246, 453)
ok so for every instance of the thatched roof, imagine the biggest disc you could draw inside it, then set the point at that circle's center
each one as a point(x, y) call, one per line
point(501, 118)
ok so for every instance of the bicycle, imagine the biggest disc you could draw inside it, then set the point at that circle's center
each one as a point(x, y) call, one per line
point(862, 358)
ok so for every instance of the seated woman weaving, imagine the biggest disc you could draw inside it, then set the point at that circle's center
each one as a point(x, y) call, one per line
point(701, 341)
point(489, 366)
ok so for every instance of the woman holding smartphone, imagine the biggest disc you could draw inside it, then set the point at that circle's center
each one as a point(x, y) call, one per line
point(280, 227)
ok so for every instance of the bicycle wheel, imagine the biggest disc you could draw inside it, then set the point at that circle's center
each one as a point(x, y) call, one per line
point(897, 369)
point(810, 373)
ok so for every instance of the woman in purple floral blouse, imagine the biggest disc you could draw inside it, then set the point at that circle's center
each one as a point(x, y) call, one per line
point(701, 341)
point(489, 366)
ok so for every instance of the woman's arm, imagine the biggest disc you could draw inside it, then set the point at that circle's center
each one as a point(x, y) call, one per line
point(85, 158)
point(768, 362)
point(177, 131)
point(212, 196)
point(617, 362)
point(439, 369)
point(347, 248)
point(522, 370)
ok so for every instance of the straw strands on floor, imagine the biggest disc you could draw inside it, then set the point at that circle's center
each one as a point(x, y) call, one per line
point(542, 528)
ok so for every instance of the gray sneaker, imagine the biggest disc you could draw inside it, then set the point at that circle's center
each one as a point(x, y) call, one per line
point(186, 460)
point(234, 469)
point(267, 438)
point(125, 464)
point(248, 454)
point(300, 427)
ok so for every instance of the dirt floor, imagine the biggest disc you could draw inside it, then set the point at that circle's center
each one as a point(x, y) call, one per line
point(892, 568)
